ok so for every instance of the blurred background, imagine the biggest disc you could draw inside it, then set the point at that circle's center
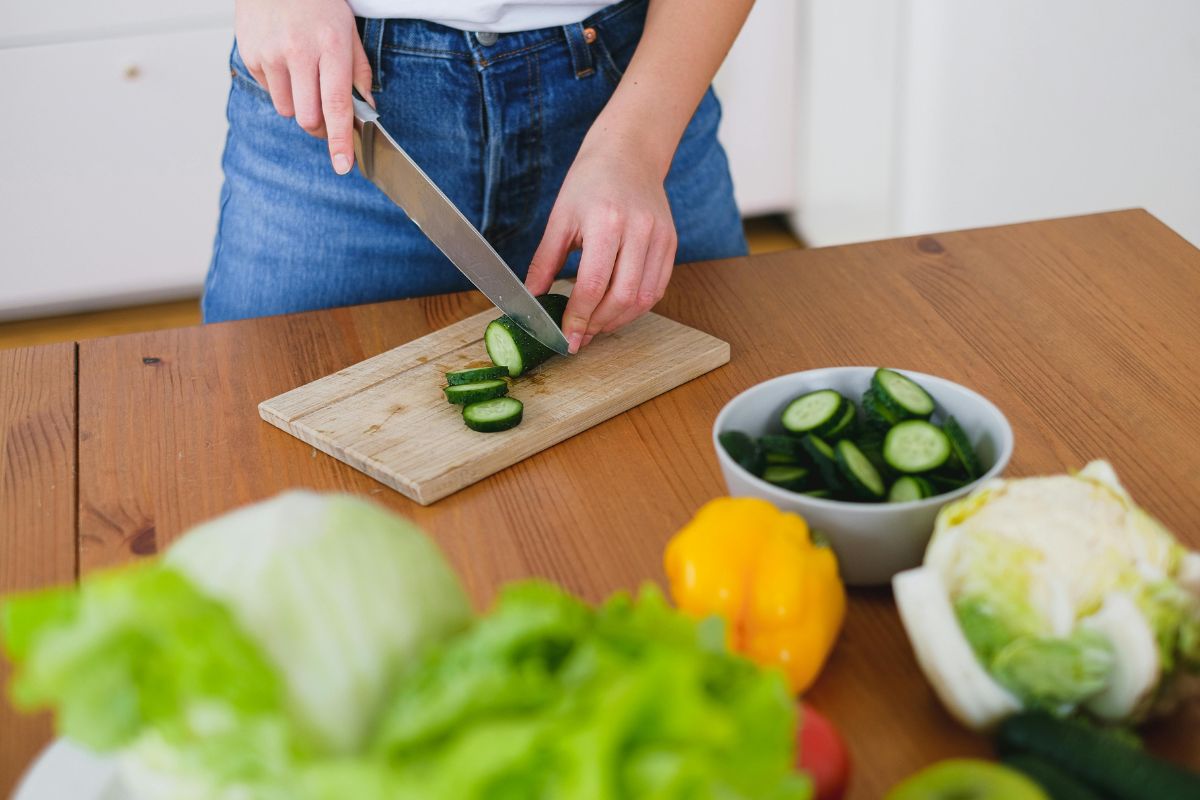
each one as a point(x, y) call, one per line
point(845, 120)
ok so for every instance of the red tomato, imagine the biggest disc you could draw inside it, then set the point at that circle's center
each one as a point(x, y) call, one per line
point(823, 754)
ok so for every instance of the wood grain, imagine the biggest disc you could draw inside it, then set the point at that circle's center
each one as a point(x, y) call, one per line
point(1083, 331)
point(37, 508)
point(387, 416)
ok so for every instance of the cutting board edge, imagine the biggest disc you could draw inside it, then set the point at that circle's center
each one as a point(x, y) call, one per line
point(364, 465)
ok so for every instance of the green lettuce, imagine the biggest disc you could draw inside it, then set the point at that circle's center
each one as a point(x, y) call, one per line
point(319, 648)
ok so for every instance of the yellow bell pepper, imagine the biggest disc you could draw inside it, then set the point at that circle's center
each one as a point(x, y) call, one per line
point(758, 568)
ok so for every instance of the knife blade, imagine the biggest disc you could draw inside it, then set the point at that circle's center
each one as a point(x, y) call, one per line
point(384, 163)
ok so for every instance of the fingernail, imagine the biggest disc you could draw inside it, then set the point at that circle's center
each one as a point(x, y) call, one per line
point(573, 342)
point(341, 164)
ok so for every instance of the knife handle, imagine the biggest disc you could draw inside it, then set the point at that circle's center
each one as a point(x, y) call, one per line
point(363, 113)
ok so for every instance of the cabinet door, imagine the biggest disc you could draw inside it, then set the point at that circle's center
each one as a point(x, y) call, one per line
point(24, 22)
point(110, 181)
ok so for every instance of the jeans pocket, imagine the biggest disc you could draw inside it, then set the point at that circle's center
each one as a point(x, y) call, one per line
point(241, 75)
point(612, 61)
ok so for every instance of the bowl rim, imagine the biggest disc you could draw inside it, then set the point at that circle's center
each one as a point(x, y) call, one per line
point(775, 493)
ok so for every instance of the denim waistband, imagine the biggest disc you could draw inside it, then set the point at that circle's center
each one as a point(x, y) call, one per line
point(618, 22)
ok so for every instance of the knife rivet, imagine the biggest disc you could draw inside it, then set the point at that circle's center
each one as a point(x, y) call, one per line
point(133, 72)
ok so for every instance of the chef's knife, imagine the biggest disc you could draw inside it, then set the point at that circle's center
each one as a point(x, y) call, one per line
point(386, 165)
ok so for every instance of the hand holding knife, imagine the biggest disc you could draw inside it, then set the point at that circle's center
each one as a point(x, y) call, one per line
point(385, 164)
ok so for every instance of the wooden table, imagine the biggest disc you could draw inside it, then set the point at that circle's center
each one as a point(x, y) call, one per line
point(1084, 331)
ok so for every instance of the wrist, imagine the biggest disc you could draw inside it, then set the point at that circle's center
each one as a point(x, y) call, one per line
point(633, 138)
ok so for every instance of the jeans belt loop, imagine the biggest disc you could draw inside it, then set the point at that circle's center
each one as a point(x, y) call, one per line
point(581, 51)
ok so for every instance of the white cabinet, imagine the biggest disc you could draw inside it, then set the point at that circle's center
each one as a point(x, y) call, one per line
point(929, 115)
point(758, 86)
point(110, 184)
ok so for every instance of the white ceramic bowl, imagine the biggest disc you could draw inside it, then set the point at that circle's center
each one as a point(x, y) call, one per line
point(873, 541)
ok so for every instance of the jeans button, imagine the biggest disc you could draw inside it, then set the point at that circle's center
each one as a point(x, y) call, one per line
point(487, 38)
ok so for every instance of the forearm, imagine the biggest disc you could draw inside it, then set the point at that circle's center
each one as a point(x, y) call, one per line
point(683, 44)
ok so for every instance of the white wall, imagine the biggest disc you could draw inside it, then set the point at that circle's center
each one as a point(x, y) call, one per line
point(925, 115)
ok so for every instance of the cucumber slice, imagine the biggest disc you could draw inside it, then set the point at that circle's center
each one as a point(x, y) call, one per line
point(474, 392)
point(964, 454)
point(786, 477)
point(901, 395)
point(825, 459)
point(459, 377)
point(879, 416)
point(820, 494)
point(908, 488)
point(508, 345)
point(945, 483)
point(744, 450)
point(844, 426)
point(490, 416)
point(781, 449)
point(859, 472)
point(916, 446)
point(815, 412)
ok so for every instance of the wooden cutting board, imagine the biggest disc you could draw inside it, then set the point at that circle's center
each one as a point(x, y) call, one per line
point(387, 417)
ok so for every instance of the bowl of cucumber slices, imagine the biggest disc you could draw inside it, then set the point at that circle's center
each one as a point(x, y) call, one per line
point(867, 455)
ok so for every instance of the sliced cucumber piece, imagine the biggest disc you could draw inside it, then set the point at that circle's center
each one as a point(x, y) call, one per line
point(490, 416)
point(786, 477)
point(509, 346)
point(845, 425)
point(879, 416)
point(474, 392)
point(945, 483)
point(815, 412)
point(825, 459)
point(916, 446)
point(859, 472)
point(901, 395)
point(781, 449)
point(964, 454)
point(461, 376)
point(820, 494)
point(744, 450)
point(908, 488)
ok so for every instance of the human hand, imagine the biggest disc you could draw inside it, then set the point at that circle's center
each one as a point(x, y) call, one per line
point(307, 55)
point(613, 205)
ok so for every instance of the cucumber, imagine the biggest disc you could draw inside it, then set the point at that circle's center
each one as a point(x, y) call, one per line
point(820, 494)
point(879, 416)
point(816, 412)
point(901, 395)
point(825, 459)
point(859, 472)
point(786, 476)
point(945, 483)
point(491, 416)
point(1099, 759)
point(508, 345)
point(964, 454)
point(908, 488)
point(781, 449)
point(916, 446)
point(1058, 784)
point(459, 377)
point(845, 425)
point(870, 441)
point(744, 450)
point(474, 392)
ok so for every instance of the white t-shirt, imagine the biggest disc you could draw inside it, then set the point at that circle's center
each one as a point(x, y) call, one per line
point(500, 16)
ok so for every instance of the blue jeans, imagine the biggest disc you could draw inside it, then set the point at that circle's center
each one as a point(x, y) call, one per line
point(496, 126)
